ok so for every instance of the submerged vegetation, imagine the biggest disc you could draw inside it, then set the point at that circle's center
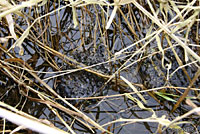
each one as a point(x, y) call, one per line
point(98, 66)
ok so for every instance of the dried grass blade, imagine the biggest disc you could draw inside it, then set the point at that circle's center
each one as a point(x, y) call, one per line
point(11, 25)
point(124, 2)
point(111, 17)
point(152, 9)
point(16, 8)
point(19, 41)
point(175, 8)
point(5, 39)
point(29, 123)
point(191, 104)
point(4, 2)
point(74, 17)
point(140, 104)
point(134, 89)
point(43, 2)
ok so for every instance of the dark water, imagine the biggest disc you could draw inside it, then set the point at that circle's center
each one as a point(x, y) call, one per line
point(90, 44)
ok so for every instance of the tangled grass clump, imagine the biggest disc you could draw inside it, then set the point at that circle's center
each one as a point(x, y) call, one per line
point(146, 49)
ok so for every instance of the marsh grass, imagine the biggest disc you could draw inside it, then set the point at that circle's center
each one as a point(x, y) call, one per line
point(162, 36)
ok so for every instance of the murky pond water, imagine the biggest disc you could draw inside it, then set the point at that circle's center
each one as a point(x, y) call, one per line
point(93, 48)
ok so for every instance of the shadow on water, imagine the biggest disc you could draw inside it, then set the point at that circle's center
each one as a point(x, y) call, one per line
point(90, 44)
